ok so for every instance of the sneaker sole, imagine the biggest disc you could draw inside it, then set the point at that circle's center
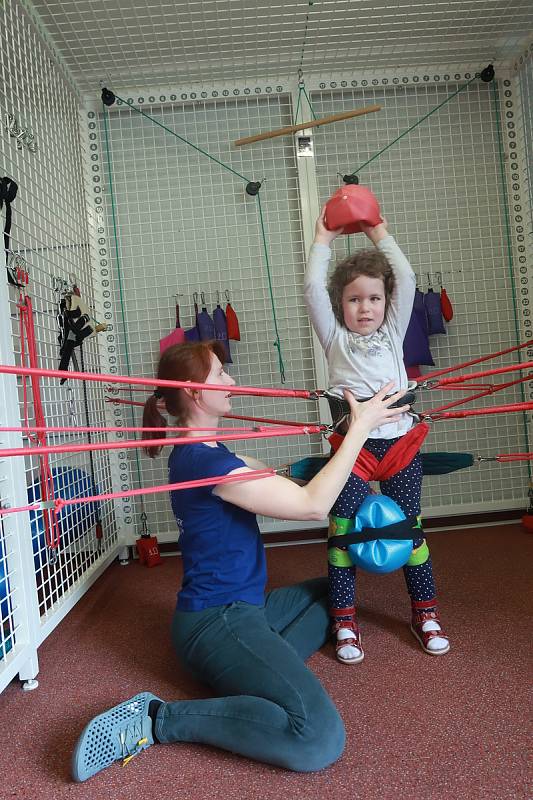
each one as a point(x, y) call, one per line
point(99, 746)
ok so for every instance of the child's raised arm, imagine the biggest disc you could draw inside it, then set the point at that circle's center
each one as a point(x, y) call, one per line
point(315, 283)
point(404, 278)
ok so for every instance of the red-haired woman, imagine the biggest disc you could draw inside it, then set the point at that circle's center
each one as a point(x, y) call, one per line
point(249, 647)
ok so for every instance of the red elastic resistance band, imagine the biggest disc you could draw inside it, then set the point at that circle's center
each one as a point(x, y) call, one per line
point(132, 444)
point(9, 369)
point(431, 375)
point(476, 375)
point(491, 389)
point(59, 503)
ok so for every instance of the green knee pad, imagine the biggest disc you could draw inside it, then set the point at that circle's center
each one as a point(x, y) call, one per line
point(419, 556)
point(338, 526)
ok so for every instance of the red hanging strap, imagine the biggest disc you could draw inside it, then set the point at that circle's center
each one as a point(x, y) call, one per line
point(400, 455)
point(27, 334)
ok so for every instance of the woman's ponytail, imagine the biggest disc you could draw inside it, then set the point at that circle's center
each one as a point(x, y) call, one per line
point(152, 418)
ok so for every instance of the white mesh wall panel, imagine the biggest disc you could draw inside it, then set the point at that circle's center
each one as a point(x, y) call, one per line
point(440, 187)
point(40, 150)
point(184, 225)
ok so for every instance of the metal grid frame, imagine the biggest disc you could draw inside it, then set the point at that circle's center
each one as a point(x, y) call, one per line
point(40, 86)
point(447, 495)
point(518, 102)
point(40, 150)
point(152, 41)
point(439, 181)
point(210, 241)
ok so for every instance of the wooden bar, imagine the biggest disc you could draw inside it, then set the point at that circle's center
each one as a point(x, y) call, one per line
point(303, 125)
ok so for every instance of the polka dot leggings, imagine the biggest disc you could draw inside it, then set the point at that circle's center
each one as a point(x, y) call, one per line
point(404, 488)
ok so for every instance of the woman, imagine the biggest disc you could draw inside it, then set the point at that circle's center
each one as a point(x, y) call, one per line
point(250, 648)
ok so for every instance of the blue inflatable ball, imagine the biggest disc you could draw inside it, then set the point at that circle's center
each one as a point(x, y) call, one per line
point(74, 521)
point(379, 555)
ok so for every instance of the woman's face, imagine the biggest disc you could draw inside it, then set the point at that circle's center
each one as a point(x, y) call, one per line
point(216, 403)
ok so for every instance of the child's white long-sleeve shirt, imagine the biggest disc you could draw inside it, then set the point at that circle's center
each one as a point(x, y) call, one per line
point(363, 363)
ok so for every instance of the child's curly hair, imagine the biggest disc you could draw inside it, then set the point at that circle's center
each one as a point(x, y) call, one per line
point(371, 263)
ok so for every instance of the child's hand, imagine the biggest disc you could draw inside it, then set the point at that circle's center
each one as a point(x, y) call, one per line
point(378, 232)
point(322, 235)
point(375, 412)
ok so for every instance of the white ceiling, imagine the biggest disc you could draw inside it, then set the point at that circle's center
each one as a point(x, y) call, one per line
point(142, 43)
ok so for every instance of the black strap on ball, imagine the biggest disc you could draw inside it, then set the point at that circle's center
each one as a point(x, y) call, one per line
point(405, 529)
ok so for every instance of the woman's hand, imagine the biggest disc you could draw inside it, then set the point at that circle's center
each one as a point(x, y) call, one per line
point(375, 412)
point(322, 235)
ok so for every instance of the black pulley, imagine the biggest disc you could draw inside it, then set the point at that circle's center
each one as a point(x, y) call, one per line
point(487, 74)
point(350, 179)
point(253, 187)
point(108, 98)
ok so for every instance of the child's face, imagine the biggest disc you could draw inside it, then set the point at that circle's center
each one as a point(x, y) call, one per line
point(363, 304)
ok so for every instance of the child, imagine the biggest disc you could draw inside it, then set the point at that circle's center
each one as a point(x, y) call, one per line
point(361, 319)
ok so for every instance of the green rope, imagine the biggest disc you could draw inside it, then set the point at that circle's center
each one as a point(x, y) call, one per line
point(277, 343)
point(182, 139)
point(447, 100)
point(505, 204)
point(302, 90)
point(309, 102)
point(121, 291)
point(298, 105)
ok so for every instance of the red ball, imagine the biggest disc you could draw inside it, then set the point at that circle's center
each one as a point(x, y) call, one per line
point(350, 207)
point(527, 522)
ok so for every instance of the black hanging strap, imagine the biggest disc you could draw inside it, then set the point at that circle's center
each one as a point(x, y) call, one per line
point(8, 192)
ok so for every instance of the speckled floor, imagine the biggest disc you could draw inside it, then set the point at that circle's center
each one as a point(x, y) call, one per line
point(419, 727)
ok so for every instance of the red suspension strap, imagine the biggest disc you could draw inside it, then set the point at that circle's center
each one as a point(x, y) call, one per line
point(435, 374)
point(60, 503)
point(505, 457)
point(9, 369)
point(490, 389)
point(28, 429)
point(475, 375)
point(400, 455)
point(120, 402)
point(265, 419)
point(479, 412)
point(136, 443)
point(27, 335)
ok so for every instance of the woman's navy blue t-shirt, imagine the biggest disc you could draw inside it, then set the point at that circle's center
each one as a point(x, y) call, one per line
point(223, 555)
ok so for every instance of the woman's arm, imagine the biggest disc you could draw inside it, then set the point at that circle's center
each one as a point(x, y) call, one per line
point(282, 499)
